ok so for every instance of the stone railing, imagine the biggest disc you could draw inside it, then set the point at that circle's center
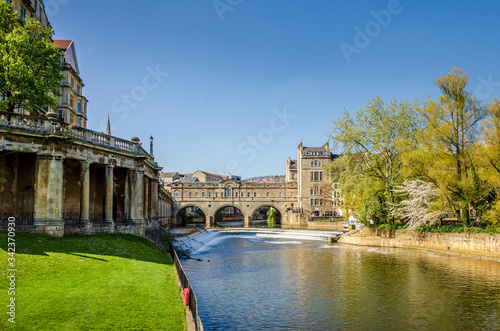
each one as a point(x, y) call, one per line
point(24, 122)
point(43, 125)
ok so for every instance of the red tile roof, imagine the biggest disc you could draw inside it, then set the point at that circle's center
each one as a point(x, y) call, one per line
point(63, 44)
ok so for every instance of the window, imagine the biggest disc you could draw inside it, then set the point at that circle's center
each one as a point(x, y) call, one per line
point(22, 14)
point(190, 194)
point(203, 194)
point(293, 176)
point(40, 13)
point(229, 192)
point(316, 202)
point(196, 195)
point(280, 194)
point(248, 194)
point(254, 194)
point(316, 176)
point(312, 164)
point(267, 194)
point(321, 175)
point(236, 194)
point(79, 122)
point(177, 194)
point(311, 176)
point(79, 106)
point(292, 195)
point(61, 114)
point(311, 191)
point(315, 163)
point(312, 202)
point(35, 5)
point(216, 194)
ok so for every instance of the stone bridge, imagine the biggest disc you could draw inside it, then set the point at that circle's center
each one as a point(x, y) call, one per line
point(248, 197)
point(58, 179)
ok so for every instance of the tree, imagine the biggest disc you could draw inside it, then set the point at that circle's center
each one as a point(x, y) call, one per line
point(29, 64)
point(421, 205)
point(490, 157)
point(272, 217)
point(373, 141)
point(449, 144)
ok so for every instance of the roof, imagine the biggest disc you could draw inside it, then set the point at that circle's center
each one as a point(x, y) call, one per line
point(315, 149)
point(188, 179)
point(168, 174)
point(62, 44)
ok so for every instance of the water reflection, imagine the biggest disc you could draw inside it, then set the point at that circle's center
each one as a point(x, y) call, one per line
point(266, 284)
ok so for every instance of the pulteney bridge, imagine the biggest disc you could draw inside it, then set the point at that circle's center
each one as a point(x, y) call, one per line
point(248, 197)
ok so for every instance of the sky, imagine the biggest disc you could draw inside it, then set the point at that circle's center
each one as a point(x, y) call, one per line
point(233, 86)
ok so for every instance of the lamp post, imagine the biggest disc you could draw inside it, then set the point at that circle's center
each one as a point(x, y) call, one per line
point(151, 145)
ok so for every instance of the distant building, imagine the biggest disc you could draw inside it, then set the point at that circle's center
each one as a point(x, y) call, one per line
point(72, 104)
point(291, 170)
point(314, 186)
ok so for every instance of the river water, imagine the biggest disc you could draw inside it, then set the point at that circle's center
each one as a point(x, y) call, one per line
point(249, 283)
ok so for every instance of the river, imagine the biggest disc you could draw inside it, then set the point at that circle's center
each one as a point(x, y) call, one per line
point(244, 282)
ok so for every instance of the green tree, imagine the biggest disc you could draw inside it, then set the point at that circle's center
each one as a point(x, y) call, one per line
point(272, 217)
point(29, 64)
point(489, 155)
point(448, 146)
point(373, 140)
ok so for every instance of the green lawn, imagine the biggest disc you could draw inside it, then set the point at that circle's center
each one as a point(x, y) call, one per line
point(90, 282)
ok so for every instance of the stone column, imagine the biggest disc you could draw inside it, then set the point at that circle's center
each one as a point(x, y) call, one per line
point(126, 197)
point(154, 199)
point(209, 221)
point(49, 195)
point(55, 190)
point(41, 186)
point(108, 207)
point(85, 194)
point(146, 197)
point(137, 194)
point(247, 221)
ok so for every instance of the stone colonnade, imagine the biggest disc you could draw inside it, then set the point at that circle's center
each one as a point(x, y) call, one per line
point(138, 192)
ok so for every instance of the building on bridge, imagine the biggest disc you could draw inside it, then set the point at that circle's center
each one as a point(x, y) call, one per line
point(306, 193)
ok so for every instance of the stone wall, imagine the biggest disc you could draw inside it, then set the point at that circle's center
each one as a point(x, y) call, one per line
point(479, 244)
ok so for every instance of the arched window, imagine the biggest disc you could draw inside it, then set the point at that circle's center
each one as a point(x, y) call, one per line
point(203, 194)
point(190, 194)
point(315, 163)
point(196, 195)
point(254, 194)
point(177, 194)
point(316, 190)
point(267, 194)
point(229, 192)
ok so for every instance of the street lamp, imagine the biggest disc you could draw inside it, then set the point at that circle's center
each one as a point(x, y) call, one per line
point(151, 145)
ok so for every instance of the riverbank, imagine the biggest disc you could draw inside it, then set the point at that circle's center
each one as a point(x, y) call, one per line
point(475, 244)
point(91, 282)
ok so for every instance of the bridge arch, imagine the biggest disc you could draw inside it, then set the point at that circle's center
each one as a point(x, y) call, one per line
point(189, 205)
point(221, 207)
point(279, 209)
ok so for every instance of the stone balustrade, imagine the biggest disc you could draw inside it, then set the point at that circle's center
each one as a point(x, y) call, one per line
point(43, 125)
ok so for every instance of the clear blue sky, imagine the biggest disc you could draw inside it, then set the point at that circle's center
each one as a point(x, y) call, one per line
point(231, 69)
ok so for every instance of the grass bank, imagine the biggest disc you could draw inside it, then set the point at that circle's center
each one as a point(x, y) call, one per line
point(90, 282)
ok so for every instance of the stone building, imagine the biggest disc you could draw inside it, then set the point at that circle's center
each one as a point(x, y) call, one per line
point(30, 8)
point(72, 104)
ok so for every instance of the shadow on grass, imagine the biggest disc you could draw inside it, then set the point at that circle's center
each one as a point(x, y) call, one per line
point(117, 245)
